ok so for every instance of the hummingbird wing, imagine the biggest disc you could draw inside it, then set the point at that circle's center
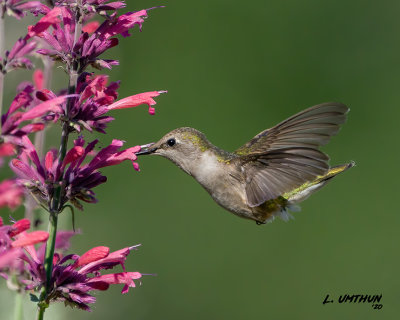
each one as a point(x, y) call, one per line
point(284, 157)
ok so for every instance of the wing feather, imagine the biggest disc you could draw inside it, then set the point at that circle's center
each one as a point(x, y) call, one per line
point(282, 158)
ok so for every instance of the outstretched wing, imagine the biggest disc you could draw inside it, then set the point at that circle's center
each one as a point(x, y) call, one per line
point(284, 157)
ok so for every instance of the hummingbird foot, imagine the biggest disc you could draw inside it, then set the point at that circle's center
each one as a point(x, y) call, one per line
point(260, 223)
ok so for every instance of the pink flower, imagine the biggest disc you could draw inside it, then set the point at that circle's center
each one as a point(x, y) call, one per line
point(136, 100)
point(18, 8)
point(92, 255)
point(122, 24)
point(91, 27)
point(96, 99)
point(38, 79)
point(16, 58)
point(29, 239)
point(125, 278)
point(8, 258)
point(11, 131)
point(51, 18)
point(74, 276)
point(43, 108)
point(78, 179)
point(86, 51)
point(18, 227)
point(14, 238)
point(7, 149)
point(20, 260)
point(10, 194)
point(105, 259)
point(74, 154)
point(97, 87)
point(109, 156)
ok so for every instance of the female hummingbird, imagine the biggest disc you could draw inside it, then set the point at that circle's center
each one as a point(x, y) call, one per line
point(271, 173)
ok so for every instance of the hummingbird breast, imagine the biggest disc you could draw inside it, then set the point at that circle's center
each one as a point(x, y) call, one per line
point(215, 175)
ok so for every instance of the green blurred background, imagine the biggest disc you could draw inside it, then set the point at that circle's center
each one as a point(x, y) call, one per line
point(231, 70)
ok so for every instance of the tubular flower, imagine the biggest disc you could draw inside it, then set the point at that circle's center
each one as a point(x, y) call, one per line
point(78, 179)
point(51, 18)
point(10, 194)
point(20, 261)
point(91, 27)
point(35, 261)
point(6, 149)
point(38, 79)
point(62, 46)
point(18, 8)
point(136, 100)
point(22, 109)
point(94, 96)
point(13, 239)
point(94, 99)
point(17, 57)
point(10, 131)
point(75, 276)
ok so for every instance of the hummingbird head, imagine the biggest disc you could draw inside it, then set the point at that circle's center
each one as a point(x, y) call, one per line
point(183, 146)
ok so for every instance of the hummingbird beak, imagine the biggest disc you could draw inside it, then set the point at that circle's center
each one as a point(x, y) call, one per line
point(146, 149)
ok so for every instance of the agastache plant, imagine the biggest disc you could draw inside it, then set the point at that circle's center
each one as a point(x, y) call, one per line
point(65, 177)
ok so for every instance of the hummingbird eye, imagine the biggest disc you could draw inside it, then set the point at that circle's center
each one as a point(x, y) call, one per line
point(171, 142)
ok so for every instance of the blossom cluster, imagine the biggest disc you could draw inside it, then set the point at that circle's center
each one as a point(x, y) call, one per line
point(67, 33)
point(88, 47)
point(73, 278)
point(77, 178)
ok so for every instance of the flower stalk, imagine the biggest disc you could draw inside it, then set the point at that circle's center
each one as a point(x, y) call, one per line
point(55, 210)
point(1, 53)
point(48, 264)
point(41, 309)
point(56, 205)
point(62, 178)
point(51, 241)
point(18, 310)
point(1, 87)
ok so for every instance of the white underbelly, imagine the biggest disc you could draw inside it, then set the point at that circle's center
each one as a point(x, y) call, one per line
point(222, 187)
point(230, 196)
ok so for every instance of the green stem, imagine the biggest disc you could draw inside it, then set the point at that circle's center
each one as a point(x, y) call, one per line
point(40, 312)
point(56, 204)
point(1, 54)
point(51, 242)
point(18, 311)
point(55, 209)
point(48, 264)
point(64, 144)
point(1, 91)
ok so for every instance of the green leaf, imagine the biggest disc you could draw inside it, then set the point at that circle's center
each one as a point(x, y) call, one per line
point(72, 213)
point(33, 298)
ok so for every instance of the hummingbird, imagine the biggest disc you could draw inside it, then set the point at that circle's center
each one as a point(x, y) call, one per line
point(269, 175)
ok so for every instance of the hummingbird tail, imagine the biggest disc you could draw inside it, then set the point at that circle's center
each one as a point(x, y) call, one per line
point(336, 170)
point(304, 191)
point(281, 206)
